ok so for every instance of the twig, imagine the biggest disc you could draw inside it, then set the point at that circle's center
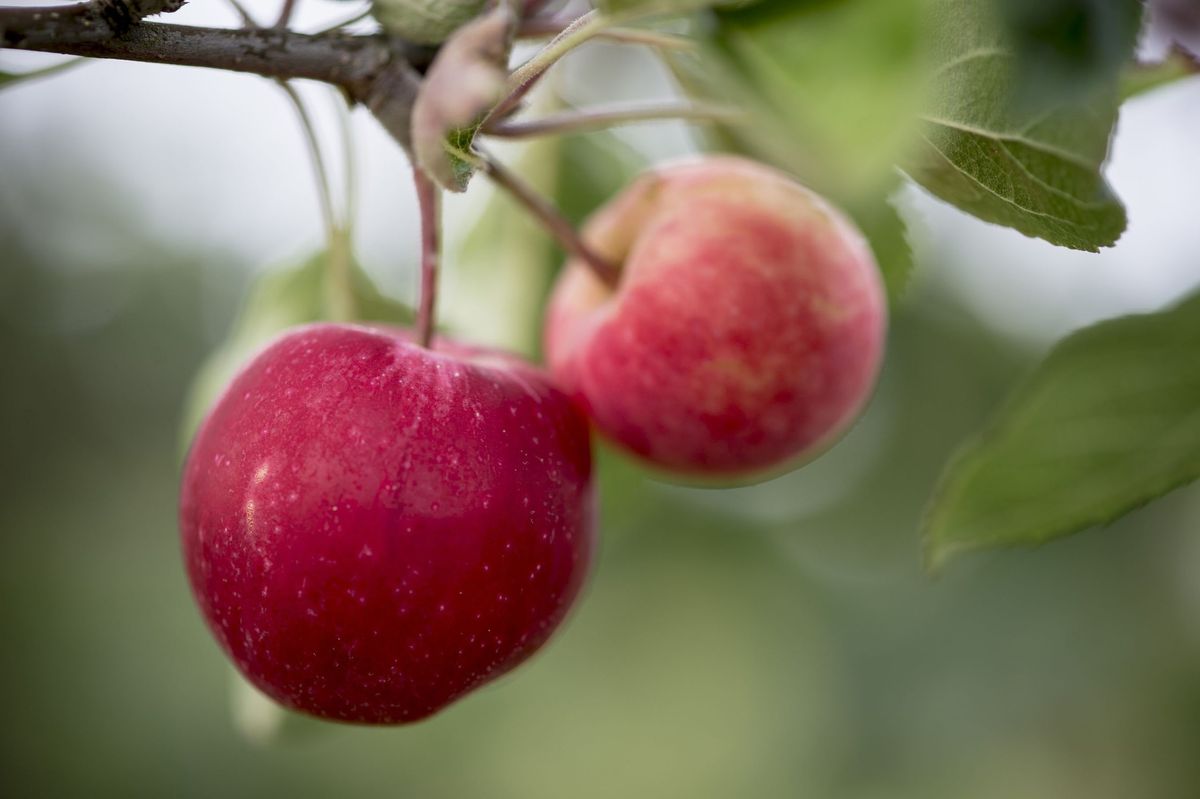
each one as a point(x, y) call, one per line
point(526, 76)
point(377, 71)
point(544, 28)
point(98, 20)
point(247, 19)
point(360, 16)
point(285, 15)
point(320, 172)
point(591, 120)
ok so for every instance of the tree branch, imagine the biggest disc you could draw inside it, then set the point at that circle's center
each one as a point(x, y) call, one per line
point(380, 72)
point(27, 27)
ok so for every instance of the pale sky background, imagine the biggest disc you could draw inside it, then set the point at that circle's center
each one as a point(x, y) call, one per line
point(215, 160)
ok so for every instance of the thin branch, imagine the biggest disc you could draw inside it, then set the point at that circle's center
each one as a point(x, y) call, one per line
point(285, 14)
point(349, 163)
point(663, 41)
point(526, 76)
point(601, 119)
point(550, 218)
point(320, 172)
point(94, 21)
point(341, 60)
point(247, 18)
point(545, 28)
point(37, 74)
point(429, 200)
point(359, 17)
point(378, 71)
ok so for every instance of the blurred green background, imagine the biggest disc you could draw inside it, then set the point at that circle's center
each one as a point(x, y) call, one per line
point(772, 641)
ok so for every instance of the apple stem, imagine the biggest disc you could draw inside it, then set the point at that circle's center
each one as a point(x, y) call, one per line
point(602, 119)
point(551, 219)
point(430, 201)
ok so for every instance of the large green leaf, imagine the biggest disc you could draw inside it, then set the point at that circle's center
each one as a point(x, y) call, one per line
point(1064, 47)
point(1033, 168)
point(1108, 422)
point(833, 89)
point(871, 210)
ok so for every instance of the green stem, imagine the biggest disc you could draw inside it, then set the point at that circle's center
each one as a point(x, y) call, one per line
point(339, 293)
point(541, 29)
point(349, 163)
point(526, 76)
point(359, 17)
point(662, 41)
point(38, 74)
point(592, 120)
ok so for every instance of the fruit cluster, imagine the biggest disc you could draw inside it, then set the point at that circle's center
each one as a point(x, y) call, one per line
point(373, 528)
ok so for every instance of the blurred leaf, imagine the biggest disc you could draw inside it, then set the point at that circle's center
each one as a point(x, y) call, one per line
point(263, 721)
point(13, 78)
point(1035, 171)
point(888, 236)
point(1067, 47)
point(1142, 78)
point(876, 217)
point(1107, 423)
point(424, 21)
point(279, 299)
point(833, 88)
point(594, 168)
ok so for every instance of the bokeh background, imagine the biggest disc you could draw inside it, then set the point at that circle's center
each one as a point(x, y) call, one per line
point(779, 640)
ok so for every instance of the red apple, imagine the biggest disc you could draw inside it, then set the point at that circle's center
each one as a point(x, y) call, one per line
point(372, 528)
point(746, 330)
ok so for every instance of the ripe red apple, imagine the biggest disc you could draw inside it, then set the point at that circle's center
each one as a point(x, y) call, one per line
point(746, 330)
point(372, 528)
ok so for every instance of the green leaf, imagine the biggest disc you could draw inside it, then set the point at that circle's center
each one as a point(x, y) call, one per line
point(833, 89)
point(425, 21)
point(8, 79)
point(276, 301)
point(1108, 422)
point(887, 234)
point(1036, 170)
point(264, 722)
point(876, 217)
point(1065, 47)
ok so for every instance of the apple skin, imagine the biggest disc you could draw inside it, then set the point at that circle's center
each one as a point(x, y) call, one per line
point(372, 529)
point(745, 333)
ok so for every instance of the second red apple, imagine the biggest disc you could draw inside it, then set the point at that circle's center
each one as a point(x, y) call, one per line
point(746, 330)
